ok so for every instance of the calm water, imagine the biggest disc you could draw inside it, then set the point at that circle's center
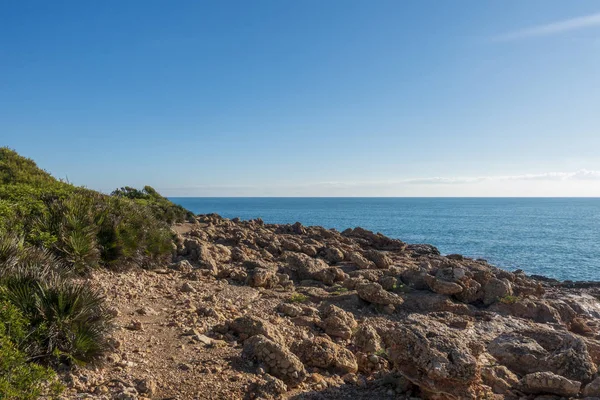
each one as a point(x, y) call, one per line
point(557, 237)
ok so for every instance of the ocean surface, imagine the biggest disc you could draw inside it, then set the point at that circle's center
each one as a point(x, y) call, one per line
point(555, 237)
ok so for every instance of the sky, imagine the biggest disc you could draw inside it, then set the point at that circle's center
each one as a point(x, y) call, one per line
point(308, 97)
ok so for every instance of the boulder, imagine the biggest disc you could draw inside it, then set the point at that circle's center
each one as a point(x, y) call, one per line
point(549, 383)
point(337, 322)
point(367, 339)
point(305, 267)
point(323, 353)
point(374, 293)
point(360, 261)
point(442, 287)
point(496, 289)
point(592, 389)
point(499, 378)
point(435, 358)
point(332, 255)
point(248, 326)
point(278, 360)
point(381, 260)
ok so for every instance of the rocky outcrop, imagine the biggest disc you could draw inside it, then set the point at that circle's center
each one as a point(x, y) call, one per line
point(280, 311)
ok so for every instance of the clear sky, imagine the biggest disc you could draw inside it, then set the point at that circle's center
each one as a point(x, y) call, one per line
point(307, 97)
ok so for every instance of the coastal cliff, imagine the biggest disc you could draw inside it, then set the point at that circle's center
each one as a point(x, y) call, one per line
point(253, 310)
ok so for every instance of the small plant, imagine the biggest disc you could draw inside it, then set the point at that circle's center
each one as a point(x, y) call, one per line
point(298, 298)
point(339, 290)
point(382, 353)
point(508, 299)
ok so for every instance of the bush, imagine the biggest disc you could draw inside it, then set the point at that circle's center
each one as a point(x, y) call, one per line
point(83, 227)
point(19, 379)
point(67, 321)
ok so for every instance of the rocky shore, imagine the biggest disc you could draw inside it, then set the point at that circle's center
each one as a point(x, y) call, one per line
point(249, 310)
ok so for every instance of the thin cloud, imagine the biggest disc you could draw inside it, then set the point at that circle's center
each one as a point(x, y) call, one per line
point(587, 21)
point(582, 174)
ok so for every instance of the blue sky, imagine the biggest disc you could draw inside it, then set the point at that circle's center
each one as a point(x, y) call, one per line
point(307, 98)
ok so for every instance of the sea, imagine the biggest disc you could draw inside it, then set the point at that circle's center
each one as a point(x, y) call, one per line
point(555, 237)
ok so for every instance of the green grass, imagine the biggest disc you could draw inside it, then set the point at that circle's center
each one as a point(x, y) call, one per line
point(508, 299)
point(298, 298)
point(339, 290)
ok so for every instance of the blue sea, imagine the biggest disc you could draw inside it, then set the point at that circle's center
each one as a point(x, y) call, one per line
point(555, 237)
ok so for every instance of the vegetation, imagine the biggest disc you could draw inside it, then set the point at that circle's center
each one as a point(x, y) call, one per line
point(508, 299)
point(83, 227)
point(51, 231)
point(298, 298)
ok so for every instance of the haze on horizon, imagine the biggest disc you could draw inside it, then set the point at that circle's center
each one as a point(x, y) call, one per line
point(307, 98)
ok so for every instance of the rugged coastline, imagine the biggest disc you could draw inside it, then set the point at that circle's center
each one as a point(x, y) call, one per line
point(252, 310)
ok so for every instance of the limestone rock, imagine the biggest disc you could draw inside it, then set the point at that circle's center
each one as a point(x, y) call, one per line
point(374, 293)
point(323, 353)
point(367, 339)
point(441, 286)
point(549, 383)
point(381, 260)
point(496, 289)
point(249, 326)
point(435, 357)
point(360, 261)
point(337, 322)
point(279, 361)
point(592, 389)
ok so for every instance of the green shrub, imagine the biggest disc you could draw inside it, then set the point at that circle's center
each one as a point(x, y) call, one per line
point(19, 379)
point(67, 321)
point(83, 227)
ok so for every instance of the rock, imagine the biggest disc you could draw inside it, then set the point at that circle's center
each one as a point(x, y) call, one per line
point(360, 261)
point(187, 288)
point(442, 287)
point(374, 240)
point(519, 353)
point(337, 322)
point(270, 389)
point(544, 350)
point(146, 386)
point(249, 326)
point(367, 339)
point(435, 357)
point(262, 277)
point(423, 249)
point(280, 362)
point(135, 325)
point(332, 255)
point(496, 289)
point(291, 310)
point(499, 378)
point(592, 389)
point(374, 293)
point(547, 382)
point(381, 260)
point(237, 254)
point(182, 266)
point(306, 267)
point(388, 282)
point(323, 353)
